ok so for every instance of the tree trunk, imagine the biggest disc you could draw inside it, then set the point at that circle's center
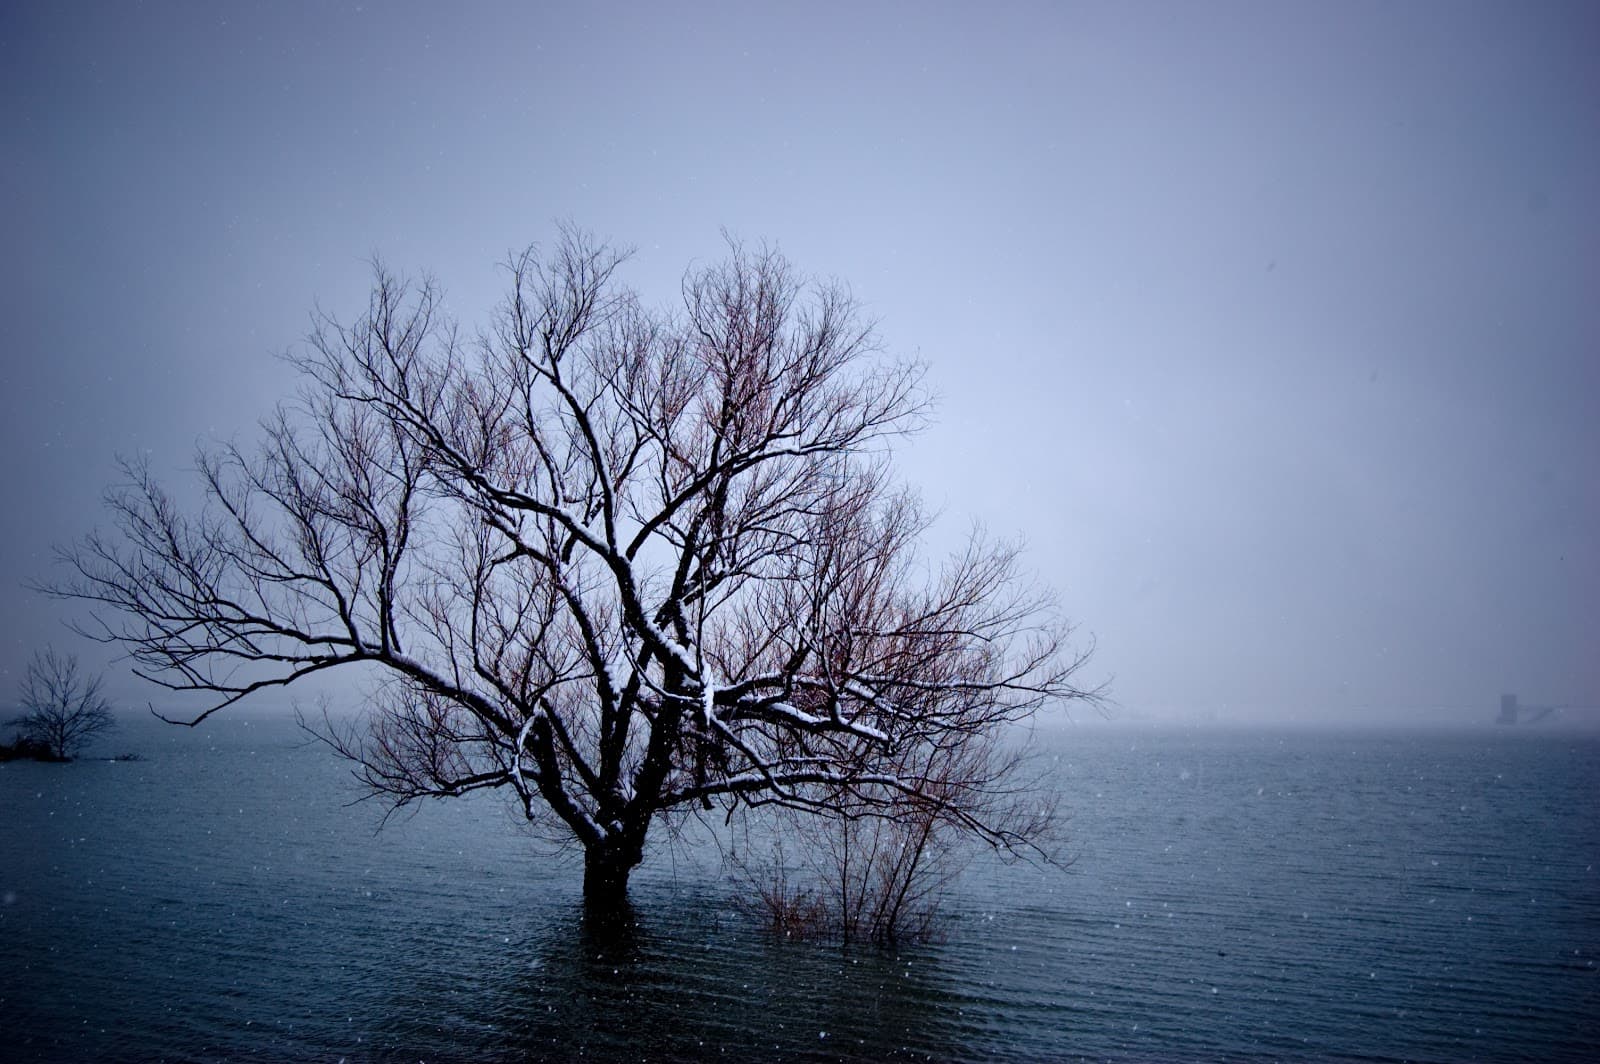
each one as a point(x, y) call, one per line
point(605, 877)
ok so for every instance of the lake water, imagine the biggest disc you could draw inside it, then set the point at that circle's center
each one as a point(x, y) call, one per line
point(1294, 896)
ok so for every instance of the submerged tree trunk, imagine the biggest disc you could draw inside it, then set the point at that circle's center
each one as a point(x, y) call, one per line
point(605, 877)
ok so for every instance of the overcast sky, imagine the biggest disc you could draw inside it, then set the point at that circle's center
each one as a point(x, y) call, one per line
point(1273, 328)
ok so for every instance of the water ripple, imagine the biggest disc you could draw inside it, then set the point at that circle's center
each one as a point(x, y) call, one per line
point(1235, 897)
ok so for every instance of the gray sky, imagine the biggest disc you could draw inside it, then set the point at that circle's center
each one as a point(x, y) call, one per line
point(1273, 328)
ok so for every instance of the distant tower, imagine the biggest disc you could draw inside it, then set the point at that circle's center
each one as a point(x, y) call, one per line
point(1512, 711)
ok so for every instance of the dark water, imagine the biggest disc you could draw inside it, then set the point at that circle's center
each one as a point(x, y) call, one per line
point(1239, 897)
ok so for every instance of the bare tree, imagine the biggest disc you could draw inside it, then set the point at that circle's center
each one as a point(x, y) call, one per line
point(619, 563)
point(877, 870)
point(62, 709)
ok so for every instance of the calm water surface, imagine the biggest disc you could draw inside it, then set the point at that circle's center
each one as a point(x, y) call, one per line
point(1295, 896)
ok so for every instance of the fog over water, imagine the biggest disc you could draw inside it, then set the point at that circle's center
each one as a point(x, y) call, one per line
point(1270, 327)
